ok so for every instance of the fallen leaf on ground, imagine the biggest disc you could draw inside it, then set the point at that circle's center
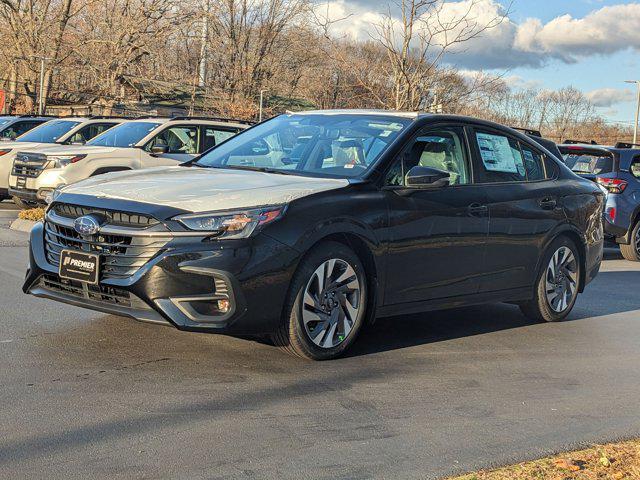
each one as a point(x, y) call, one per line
point(566, 464)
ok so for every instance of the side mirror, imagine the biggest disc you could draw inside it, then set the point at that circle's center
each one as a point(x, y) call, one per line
point(427, 177)
point(160, 149)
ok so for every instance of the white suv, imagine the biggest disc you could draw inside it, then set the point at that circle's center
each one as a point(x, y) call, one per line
point(63, 131)
point(142, 143)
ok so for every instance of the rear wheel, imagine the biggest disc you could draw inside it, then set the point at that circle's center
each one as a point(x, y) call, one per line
point(557, 284)
point(326, 304)
point(632, 251)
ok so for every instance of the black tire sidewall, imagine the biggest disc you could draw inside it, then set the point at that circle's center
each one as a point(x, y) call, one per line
point(298, 337)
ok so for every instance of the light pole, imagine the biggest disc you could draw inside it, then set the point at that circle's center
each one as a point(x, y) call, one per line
point(635, 126)
point(261, 101)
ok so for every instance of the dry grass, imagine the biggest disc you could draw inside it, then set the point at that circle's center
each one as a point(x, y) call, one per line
point(34, 214)
point(616, 461)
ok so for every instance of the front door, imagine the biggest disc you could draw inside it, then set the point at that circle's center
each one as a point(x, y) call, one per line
point(437, 236)
point(181, 142)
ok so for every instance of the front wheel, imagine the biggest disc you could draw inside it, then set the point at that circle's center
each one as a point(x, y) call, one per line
point(326, 304)
point(632, 251)
point(557, 284)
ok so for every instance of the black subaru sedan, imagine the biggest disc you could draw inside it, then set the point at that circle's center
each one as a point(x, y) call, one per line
point(307, 227)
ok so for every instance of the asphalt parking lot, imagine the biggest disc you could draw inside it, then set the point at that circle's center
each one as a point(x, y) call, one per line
point(87, 395)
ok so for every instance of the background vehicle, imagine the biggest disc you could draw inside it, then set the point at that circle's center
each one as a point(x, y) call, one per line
point(11, 127)
point(62, 131)
point(308, 226)
point(142, 143)
point(617, 169)
point(536, 136)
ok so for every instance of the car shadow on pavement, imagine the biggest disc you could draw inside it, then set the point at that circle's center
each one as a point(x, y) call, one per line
point(618, 287)
point(411, 330)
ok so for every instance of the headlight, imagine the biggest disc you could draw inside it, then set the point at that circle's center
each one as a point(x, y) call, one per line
point(61, 161)
point(239, 224)
point(51, 197)
point(4, 151)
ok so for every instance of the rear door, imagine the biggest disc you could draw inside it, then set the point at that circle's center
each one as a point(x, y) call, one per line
point(213, 135)
point(86, 133)
point(523, 201)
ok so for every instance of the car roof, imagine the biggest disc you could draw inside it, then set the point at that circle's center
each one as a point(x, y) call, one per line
point(386, 113)
point(194, 121)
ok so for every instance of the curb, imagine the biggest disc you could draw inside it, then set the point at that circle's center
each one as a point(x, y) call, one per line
point(21, 225)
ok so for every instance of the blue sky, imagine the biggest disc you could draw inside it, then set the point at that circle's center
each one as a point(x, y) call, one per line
point(593, 45)
point(589, 74)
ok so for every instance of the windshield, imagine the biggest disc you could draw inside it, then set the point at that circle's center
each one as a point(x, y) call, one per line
point(48, 132)
point(124, 135)
point(339, 146)
point(592, 163)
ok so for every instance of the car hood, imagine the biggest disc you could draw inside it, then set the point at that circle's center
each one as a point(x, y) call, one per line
point(19, 146)
point(202, 189)
point(70, 150)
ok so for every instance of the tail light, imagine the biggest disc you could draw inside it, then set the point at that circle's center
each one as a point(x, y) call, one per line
point(613, 185)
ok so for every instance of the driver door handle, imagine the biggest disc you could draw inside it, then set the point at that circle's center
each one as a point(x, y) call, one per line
point(548, 203)
point(477, 209)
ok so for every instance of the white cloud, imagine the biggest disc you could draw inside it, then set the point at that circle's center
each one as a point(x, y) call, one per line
point(607, 97)
point(603, 31)
point(532, 43)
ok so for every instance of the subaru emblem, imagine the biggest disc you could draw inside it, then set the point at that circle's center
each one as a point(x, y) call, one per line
point(86, 225)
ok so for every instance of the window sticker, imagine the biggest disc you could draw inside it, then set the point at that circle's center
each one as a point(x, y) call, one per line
point(497, 154)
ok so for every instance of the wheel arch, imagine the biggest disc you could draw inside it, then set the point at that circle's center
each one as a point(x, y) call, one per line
point(101, 170)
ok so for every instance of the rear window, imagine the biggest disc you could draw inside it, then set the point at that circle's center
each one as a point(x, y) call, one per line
point(586, 162)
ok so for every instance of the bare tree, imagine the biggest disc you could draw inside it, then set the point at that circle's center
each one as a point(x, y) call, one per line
point(417, 42)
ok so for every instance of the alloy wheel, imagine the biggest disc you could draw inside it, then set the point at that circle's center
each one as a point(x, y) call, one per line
point(561, 280)
point(331, 303)
point(636, 241)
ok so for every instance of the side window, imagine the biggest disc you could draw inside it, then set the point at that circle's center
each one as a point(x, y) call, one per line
point(501, 159)
point(87, 133)
point(178, 139)
point(635, 167)
point(214, 136)
point(440, 148)
point(533, 163)
point(18, 128)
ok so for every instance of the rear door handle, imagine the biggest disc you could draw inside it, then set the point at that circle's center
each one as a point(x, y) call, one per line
point(548, 203)
point(477, 209)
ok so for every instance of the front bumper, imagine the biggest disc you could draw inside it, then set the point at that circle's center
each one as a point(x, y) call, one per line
point(35, 189)
point(182, 283)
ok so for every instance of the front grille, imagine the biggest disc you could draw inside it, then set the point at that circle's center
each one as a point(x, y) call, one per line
point(28, 164)
point(95, 293)
point(121, 256)
point(120, 219)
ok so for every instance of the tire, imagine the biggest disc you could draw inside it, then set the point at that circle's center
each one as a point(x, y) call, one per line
point(631, 252)
point(23, 204)
point(322, 323)
point(554, 304)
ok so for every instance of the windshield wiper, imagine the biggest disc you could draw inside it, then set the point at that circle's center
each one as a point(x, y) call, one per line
point(242, 167)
